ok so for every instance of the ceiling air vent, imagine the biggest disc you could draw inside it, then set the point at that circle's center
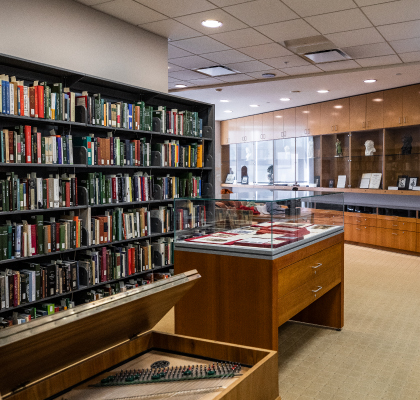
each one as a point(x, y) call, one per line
point(327, 56)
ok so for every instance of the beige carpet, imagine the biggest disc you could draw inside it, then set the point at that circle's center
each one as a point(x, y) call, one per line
point(376, 355)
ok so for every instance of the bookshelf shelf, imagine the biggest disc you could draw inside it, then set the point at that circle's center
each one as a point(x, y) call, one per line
point(28, 174)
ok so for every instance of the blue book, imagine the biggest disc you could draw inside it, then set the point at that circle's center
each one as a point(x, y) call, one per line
point(2, 148)
point(18, 100)
point(7, 90)
point(3, 98)
point(59, 152)
point(130, 116)
point(18, 247)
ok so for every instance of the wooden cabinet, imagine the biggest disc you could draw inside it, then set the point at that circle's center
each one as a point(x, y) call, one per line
point(229, 133)
point(263, 126)
point(284, 123)
point(308, 120)
point(301, 121)
point(411, 105)
point(366, 111)
point(407, 240)
point(360, 233)
point(418, 243)
point(335, 116)
point(393, 107)
point(257, 127)
point(278, 124)
point(245, 129)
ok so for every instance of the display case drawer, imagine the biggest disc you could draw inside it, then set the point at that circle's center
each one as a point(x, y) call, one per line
point(309, 268)
point(360, 219)
point(407, 240)
point(294, 302)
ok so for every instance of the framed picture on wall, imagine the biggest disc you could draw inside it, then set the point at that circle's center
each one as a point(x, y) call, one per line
point(402, 182)
point(412, 183)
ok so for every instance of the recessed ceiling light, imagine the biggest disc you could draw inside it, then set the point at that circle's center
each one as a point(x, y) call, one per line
point(254, 105)
point(211, 23)
point(284, 99)
point(224, 101)
point(323, 91)
point(305, 112)
point(278, 116)
point(338, 106)
point(228, 111)
point(178, 85)
point(378, 100)
point(369, 80)
point(268, 75)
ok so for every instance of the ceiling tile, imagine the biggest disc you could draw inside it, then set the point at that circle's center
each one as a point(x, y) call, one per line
point(369, 50)
point(362, 3)
point(185, 75)
point(306, 8)
point(92, 2)
point(406, 45)
point(396, 11)
point(237, 39)
point(225, 3)
point(355, 38)
point(206, 81)
point(282, 31)
point(270, 50)
point(258, 74)
point(228, 56)
point(305, 69)
point(338, 65)
point(410, 57)
point(248, 66)
point(175, 52)
point(403, 30)
point(171, 29)
point(229, 23)
point(261, 12)
point(236, 78)
point(192, 62)
point(286, 62)
point(176, 8)
point(339, 21)
point(382, 60)
point(174, 68)
point(129, 11)
point(200, 45)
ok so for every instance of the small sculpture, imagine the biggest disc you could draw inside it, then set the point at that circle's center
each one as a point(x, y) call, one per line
point(244, 175)
point(370, 148)
point(270, 175)
point(339, 151)
point(406, 148)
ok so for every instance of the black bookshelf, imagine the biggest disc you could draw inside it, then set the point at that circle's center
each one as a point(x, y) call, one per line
point(29, 71)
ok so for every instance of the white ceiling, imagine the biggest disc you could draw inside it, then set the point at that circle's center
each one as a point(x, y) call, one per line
point(381, 36)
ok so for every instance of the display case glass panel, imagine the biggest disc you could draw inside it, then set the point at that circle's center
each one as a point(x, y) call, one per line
point(245, 163)
point(308, 160)
point(260, 221)
point(285, 161)
point(264, 163)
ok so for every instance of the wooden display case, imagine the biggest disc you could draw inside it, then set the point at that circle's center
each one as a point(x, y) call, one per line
point(52, 355)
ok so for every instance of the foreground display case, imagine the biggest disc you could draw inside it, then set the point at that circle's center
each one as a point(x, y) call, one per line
point(264, 257)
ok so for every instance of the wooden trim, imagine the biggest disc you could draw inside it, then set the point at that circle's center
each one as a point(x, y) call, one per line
point(391, 250)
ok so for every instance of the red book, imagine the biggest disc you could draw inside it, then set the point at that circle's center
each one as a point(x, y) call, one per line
point(67, 194)
point(46, 182)
point(114, 190)
point(34, 246)
point(130, 262)
point(76, 220)
point(11, 148)
point(16, 284)
point(41, 101)
point(133, 260)
point(38, 147)
point(103, 264)
point(28, 145)
point(22, 100)
point(137, 120)
point(36, 103)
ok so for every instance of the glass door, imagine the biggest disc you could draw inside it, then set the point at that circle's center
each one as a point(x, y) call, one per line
point(284, 161)
point(264, 163)
point(245, 157)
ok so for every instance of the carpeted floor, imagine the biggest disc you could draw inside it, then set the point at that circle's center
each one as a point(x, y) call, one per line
point(376, 355)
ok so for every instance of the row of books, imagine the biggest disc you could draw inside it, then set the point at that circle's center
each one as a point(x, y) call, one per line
point(25, 144)
point(118, 225)
point(33, 192)
point(117, 188)
point(175, 155)
point(39, 237)
point(173, 187)
point(115, 151)
point(37, 281)
point(40, 100)
point(189, 215)
point(163, 218)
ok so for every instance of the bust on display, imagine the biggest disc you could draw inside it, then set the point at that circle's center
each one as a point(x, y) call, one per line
point(270, 174)
point(244, 175)
point(370, 148)
point(406, 148)
point(338, 148)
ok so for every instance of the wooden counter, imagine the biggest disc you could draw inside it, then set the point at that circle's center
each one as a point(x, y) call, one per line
point(244, 300)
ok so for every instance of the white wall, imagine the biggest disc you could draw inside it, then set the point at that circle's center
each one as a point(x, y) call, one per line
point(70, 35)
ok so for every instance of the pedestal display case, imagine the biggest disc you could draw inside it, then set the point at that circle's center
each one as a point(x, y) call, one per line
point(265, 259)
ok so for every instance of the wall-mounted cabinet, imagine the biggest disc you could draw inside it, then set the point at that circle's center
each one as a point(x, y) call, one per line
point(366, 111)
point(335, 116)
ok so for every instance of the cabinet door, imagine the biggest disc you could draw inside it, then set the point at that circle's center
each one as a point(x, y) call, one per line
point(342, 115)
point(236, 130)
point(278, 124)
point(411, 105)
point(375, 110)
point(351, 233)
point(228, 131)
point(314, 119)
point(301, 121)
point(248, 129)
point(418, 243)
point(358, 113)
point(258, 127)
point(387, 238)
point(327, 117)
point(289, 122)
point(393, 107)
point(407, 240)
point(268, 126)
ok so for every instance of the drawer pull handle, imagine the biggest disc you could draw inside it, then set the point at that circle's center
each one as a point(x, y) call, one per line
point(317, 290)
point(394, 225)
point(394, 233)
point(316, 266)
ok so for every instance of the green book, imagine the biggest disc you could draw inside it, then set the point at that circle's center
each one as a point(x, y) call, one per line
point(62, 236)
point(122, 146)
point(6, 196)
point(43, 150)
point(3, 242)
point(92, 195)
point(58, 89)
point(9, 238)
point(64, 144)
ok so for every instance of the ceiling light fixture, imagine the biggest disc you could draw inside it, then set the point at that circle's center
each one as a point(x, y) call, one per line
point(211, 23)
point(254, 105)
point(180, 85)
point(284, 99)
point(278, 116)
point(228, 111)
point(338, 106)
point(369, 80)
point(323, 91)
point(268, 75)
point(378, 100)
point(224, 101)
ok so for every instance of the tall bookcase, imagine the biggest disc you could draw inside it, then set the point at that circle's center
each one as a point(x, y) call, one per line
point(112, 91)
